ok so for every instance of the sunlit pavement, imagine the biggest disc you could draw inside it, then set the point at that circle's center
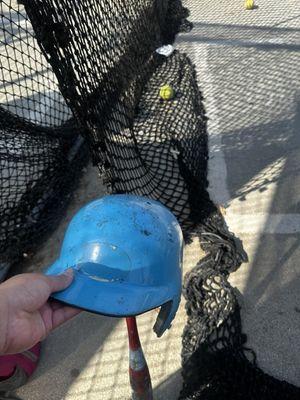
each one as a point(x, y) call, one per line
point(248, 67)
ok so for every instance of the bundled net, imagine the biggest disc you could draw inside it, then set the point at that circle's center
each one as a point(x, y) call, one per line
point(41, 153)
point(103, 54)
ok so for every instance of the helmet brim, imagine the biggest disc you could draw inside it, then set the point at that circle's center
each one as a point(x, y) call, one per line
point(117, 299)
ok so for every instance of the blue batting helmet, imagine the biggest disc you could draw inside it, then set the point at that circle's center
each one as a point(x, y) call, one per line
point(126, 253)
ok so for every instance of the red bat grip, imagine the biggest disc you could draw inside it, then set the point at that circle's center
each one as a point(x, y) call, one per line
point(140, 380)
point(133, 335)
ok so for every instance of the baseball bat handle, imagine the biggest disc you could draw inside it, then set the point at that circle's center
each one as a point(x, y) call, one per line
point(139, 375)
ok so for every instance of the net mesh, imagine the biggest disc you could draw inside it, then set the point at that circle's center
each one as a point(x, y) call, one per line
point(103, 54)
point(41, 153)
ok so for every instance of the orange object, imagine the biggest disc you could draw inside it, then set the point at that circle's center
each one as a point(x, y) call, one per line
point(139, 375)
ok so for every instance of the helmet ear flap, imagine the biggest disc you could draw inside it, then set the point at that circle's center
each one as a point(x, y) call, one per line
point(163, 316)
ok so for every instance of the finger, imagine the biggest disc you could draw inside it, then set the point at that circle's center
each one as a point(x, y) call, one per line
point(60, 282)
point(55, 305)
point(63, 315)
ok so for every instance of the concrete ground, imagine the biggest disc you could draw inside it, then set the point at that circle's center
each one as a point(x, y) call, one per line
point(248, 68)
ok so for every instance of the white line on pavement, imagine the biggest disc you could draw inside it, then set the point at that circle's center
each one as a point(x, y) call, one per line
point(217, 172)
point(263, 223)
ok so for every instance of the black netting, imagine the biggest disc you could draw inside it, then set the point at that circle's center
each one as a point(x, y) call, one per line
point(41, 153)
point(103, 53)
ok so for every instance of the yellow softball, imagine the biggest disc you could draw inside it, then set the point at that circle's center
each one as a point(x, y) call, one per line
point(166, 92)
point(249, 4)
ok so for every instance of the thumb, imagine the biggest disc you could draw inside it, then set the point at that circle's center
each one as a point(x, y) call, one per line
point(60, 282)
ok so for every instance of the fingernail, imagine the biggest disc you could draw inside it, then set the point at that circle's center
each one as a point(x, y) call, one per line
point(68, 272)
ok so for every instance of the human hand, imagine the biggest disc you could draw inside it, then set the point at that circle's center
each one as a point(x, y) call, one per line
point(27, 315)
